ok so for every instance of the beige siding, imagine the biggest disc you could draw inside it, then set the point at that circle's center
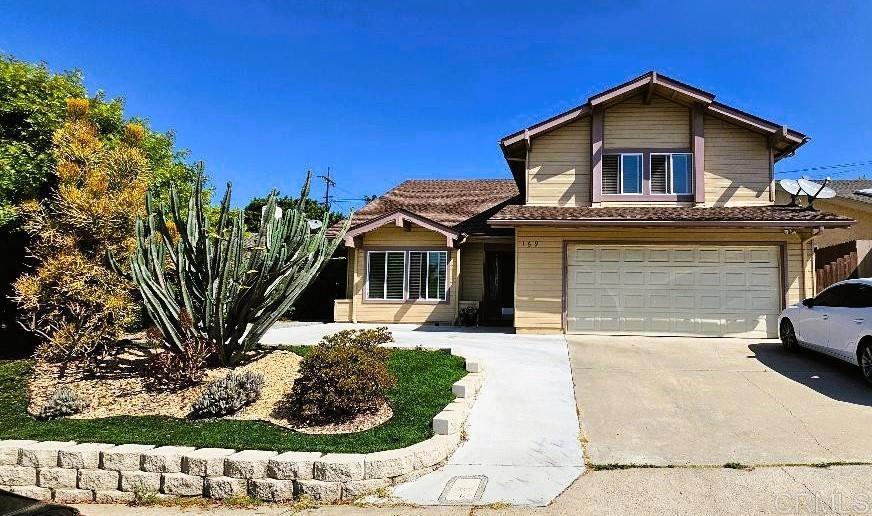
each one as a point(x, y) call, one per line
point(472, 279)
point(558, 167)
point(662, 124)
point(539, 264)
point(401, 312)
point(862, 230)
point(736, 165)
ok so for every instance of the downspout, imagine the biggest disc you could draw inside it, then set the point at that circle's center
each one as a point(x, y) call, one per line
point(802, 242)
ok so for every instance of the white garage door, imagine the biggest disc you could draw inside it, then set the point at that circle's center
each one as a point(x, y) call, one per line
point(673, 290)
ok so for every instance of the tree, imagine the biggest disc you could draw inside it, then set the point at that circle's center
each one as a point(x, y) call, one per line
point(313, 209)
point(73, 301)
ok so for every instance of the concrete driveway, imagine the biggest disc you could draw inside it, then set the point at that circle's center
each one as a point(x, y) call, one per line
point(693, 401)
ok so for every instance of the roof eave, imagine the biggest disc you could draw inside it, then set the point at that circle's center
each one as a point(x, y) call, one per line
point(679, 223)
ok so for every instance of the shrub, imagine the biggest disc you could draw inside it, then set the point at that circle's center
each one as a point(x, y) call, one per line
point(345, 375)
point(63, 402)
point(468, 316)
point(229, 394)
point(174, 369)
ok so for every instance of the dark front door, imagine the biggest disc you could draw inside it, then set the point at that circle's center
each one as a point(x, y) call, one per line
point(498, 306)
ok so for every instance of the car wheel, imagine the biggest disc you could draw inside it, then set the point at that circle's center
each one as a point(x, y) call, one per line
point(788, 336)
point(865, 359)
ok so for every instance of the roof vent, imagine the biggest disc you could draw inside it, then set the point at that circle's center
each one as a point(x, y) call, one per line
point(866, 191)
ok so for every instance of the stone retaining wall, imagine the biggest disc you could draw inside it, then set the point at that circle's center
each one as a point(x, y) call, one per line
point(71, 472)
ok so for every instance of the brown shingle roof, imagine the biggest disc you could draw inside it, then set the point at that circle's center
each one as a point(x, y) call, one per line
point(463, 204)
point(847, 189)
point(772, 216)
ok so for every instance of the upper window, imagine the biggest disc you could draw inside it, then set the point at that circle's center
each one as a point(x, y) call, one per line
point(622, 173)
point(406, 275)
point(671, 173)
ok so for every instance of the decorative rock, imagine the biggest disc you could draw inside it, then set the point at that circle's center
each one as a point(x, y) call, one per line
point(220, 488)
point(182, 484)
point(447, 422)
point(271, 490)
point(339, 467)
point(126, 457)
point(113, 496)
point(205, 462)
point(38, 493)
point(82, 456)
point(327, 492)
point(17, 476)
point(388, 464)
point(166, 459)
point(357, 488)
point(56, 477)
point(247, 464)
point(73, 495)
point(293, 465)
point(140, 482)
point(42, 454)
point(99, 479)
point(10, 450)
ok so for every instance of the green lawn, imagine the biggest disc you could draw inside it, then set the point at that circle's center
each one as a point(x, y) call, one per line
point(423, 389)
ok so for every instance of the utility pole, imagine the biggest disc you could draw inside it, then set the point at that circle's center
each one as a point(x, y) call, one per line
point(328, 182)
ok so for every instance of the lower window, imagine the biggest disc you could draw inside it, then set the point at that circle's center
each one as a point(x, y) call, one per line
point(406, 275)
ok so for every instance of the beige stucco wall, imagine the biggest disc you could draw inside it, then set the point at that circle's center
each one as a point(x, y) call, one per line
point(662, 124)
point(357, 309)
point(862, 230)
point(539, 264)
point(736, 165)
point(558, 167)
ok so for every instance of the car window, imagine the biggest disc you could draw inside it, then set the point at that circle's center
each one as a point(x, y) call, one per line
point(833, 296)
point(858, 296)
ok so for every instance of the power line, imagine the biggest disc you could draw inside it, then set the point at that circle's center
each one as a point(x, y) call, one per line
point(328, 181)
point(827, 167)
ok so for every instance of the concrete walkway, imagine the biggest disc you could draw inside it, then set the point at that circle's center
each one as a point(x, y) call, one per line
point(523, 446)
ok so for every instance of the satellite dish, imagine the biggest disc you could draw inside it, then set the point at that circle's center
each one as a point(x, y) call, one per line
point(815, 190)
point(315, 224)
point(792, 187)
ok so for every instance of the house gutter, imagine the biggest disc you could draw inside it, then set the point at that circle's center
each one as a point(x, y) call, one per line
point(672, 223)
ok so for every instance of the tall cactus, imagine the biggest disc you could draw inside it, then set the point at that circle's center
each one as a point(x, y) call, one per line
point(233, 287)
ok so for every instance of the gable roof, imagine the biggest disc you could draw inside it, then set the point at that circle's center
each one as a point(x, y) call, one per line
point(459, 206)
point(848, 188)
point(784, 141)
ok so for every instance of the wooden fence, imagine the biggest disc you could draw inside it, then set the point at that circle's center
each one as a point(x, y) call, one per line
point(834, 264)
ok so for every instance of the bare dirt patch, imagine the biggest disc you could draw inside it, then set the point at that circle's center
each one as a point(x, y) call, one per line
point(119, 389)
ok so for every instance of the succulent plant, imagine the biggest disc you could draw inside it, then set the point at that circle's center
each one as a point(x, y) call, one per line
point(229, 394)
point(63, 402)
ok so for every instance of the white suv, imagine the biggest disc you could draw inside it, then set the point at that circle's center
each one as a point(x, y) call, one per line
point(838, 322)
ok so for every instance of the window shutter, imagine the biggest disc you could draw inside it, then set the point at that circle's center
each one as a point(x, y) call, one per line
point(396, 274)
point(659, 175)
point(610, 173)
point(376, 279)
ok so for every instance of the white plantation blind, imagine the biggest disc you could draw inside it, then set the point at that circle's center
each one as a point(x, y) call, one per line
point(386, 274)
point(659, 173)
point(427, 271)
point(611, 169)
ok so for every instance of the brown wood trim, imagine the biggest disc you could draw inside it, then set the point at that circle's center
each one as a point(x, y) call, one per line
point(399, 218)
point(596, 154)
point(404, 301)
point(782, 248)
point(698, 144)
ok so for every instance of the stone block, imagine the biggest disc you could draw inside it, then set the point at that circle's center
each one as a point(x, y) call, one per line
point(271, 490)
point(248, 464)
point(447, 422)
point(466, 387)
point(339, 467)
point(182, 484)
point(140, 482)
point(357, 488)
point(10, 450)
point(293, 465)
point(388, 464)
point(205, 462)
point(474, 365)
point(38, 493)
point(166, 459)
point(42, 454)
point(56, 478)
point(17, 476)
point(326, 492)
point(82, 456)
point(113, 496)
point(99, 479)
point(126, 457)
point(73, 495)
point(220, 488)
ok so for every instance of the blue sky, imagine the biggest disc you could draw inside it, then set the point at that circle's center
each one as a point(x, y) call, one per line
point(384, 91)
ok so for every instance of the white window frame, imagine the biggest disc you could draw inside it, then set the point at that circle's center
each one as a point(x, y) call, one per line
point(669, 175)
point(426, 253)
point(385, 297)
point(621, 173)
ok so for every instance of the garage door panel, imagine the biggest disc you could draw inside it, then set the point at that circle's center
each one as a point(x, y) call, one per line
point(682, 290)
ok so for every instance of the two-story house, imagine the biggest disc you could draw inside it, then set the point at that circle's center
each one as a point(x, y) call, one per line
point(650, 209)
